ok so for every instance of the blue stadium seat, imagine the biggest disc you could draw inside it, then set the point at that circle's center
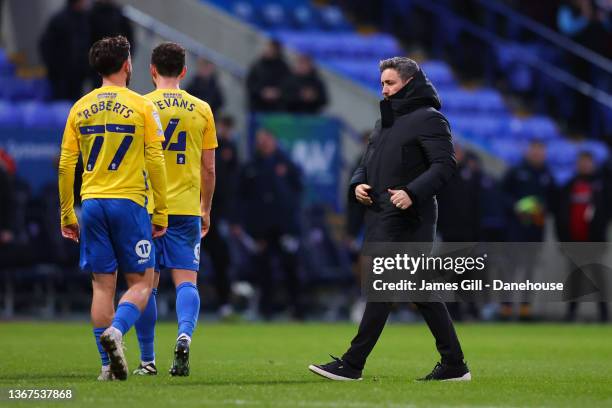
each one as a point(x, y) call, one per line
point(303, 17)
point(333, 19)
point(273, 15)
point(60, 111)
point(245, 11)
point(562, 174)
point(484, 100)
point(10, 115)
point(483, 128)
point(598, 149)
point(510, 151)
point(439, 73)
point(562, 153)
point(536, 127)
point(45, 115)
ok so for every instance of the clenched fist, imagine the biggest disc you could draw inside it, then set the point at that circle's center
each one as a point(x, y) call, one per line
point(400, 199)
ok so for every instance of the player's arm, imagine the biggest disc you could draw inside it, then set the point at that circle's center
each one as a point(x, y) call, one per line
point(66, 169)
point(207, 169)
point(156, 168)
point(207, 188)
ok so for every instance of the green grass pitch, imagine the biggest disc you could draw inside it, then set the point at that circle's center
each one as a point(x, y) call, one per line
point(265, 365)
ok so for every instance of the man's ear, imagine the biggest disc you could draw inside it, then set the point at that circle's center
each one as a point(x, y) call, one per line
point(183, 73)
point(153, 71)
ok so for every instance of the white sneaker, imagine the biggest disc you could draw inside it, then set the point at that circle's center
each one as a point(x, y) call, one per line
point(112, 342)
point(105, 374)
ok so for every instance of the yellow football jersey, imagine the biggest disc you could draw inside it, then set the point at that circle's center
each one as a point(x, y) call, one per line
point(110, 126)
point(189, 127)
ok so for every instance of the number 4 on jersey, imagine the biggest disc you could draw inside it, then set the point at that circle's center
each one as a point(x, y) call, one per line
point(181, 142)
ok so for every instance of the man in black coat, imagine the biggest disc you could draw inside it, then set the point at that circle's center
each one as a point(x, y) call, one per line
point(270, 190)
point(304, 91)
point(205, 85)
point(408, 160)
point(266, 78)
point(64, 48)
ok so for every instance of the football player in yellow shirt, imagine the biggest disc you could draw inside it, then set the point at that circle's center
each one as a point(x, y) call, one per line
point(119, 135)
point(189, 150)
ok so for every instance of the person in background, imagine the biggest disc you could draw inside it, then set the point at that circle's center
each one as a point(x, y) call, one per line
point(106, 19)
point(64, 47)
point(304, 91)
point(583, 215)
point(205, 85)
point(459, 201)
point(459, 212)
point(265, 79)
point(269, 193)
point(7, 171)
point(530, 197)
point(355, 223)
point(227, 168)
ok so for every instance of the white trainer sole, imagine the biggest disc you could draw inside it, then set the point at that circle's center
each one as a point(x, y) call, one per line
point(465, 377)
point(330, 376)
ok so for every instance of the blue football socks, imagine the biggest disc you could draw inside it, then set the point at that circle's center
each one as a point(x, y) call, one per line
point(145, 329)
point(187, 307)
point(125, 317)
point(103, 356)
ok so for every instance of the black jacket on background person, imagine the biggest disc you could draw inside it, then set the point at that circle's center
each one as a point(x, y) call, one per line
point(270, 190)
point(64, 48)
point(107, 20)
point(523, 181)
point(207, 89)
point(227, 171)
point(410, 149)
point(293, 87)
point(266, 72)
point(459, 206)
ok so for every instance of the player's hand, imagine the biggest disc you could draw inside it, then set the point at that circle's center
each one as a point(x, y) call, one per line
point(72, 232)
point(158, 231)
point(361, 194)
point(400, 199)
point(205, 224)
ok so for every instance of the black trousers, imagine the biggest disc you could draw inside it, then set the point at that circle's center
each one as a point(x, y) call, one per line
point(376, 313)
point(373, 321)
point(216, 247)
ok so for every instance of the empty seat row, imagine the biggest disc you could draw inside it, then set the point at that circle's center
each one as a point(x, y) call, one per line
point(484, 127)
point(18, 89)
point(34, 114)
point(276, 14)
point(324, 45)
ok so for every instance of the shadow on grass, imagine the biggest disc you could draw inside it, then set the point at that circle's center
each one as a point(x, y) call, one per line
point(239, 382)
point(77, 377)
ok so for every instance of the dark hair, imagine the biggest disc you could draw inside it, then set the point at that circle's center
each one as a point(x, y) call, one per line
point(404, 66)
point(107, 55)
point(585, 154)
point(169, 59)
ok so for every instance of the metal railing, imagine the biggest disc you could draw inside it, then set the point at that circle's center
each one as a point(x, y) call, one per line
point(560, 75)
point(546, 33)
